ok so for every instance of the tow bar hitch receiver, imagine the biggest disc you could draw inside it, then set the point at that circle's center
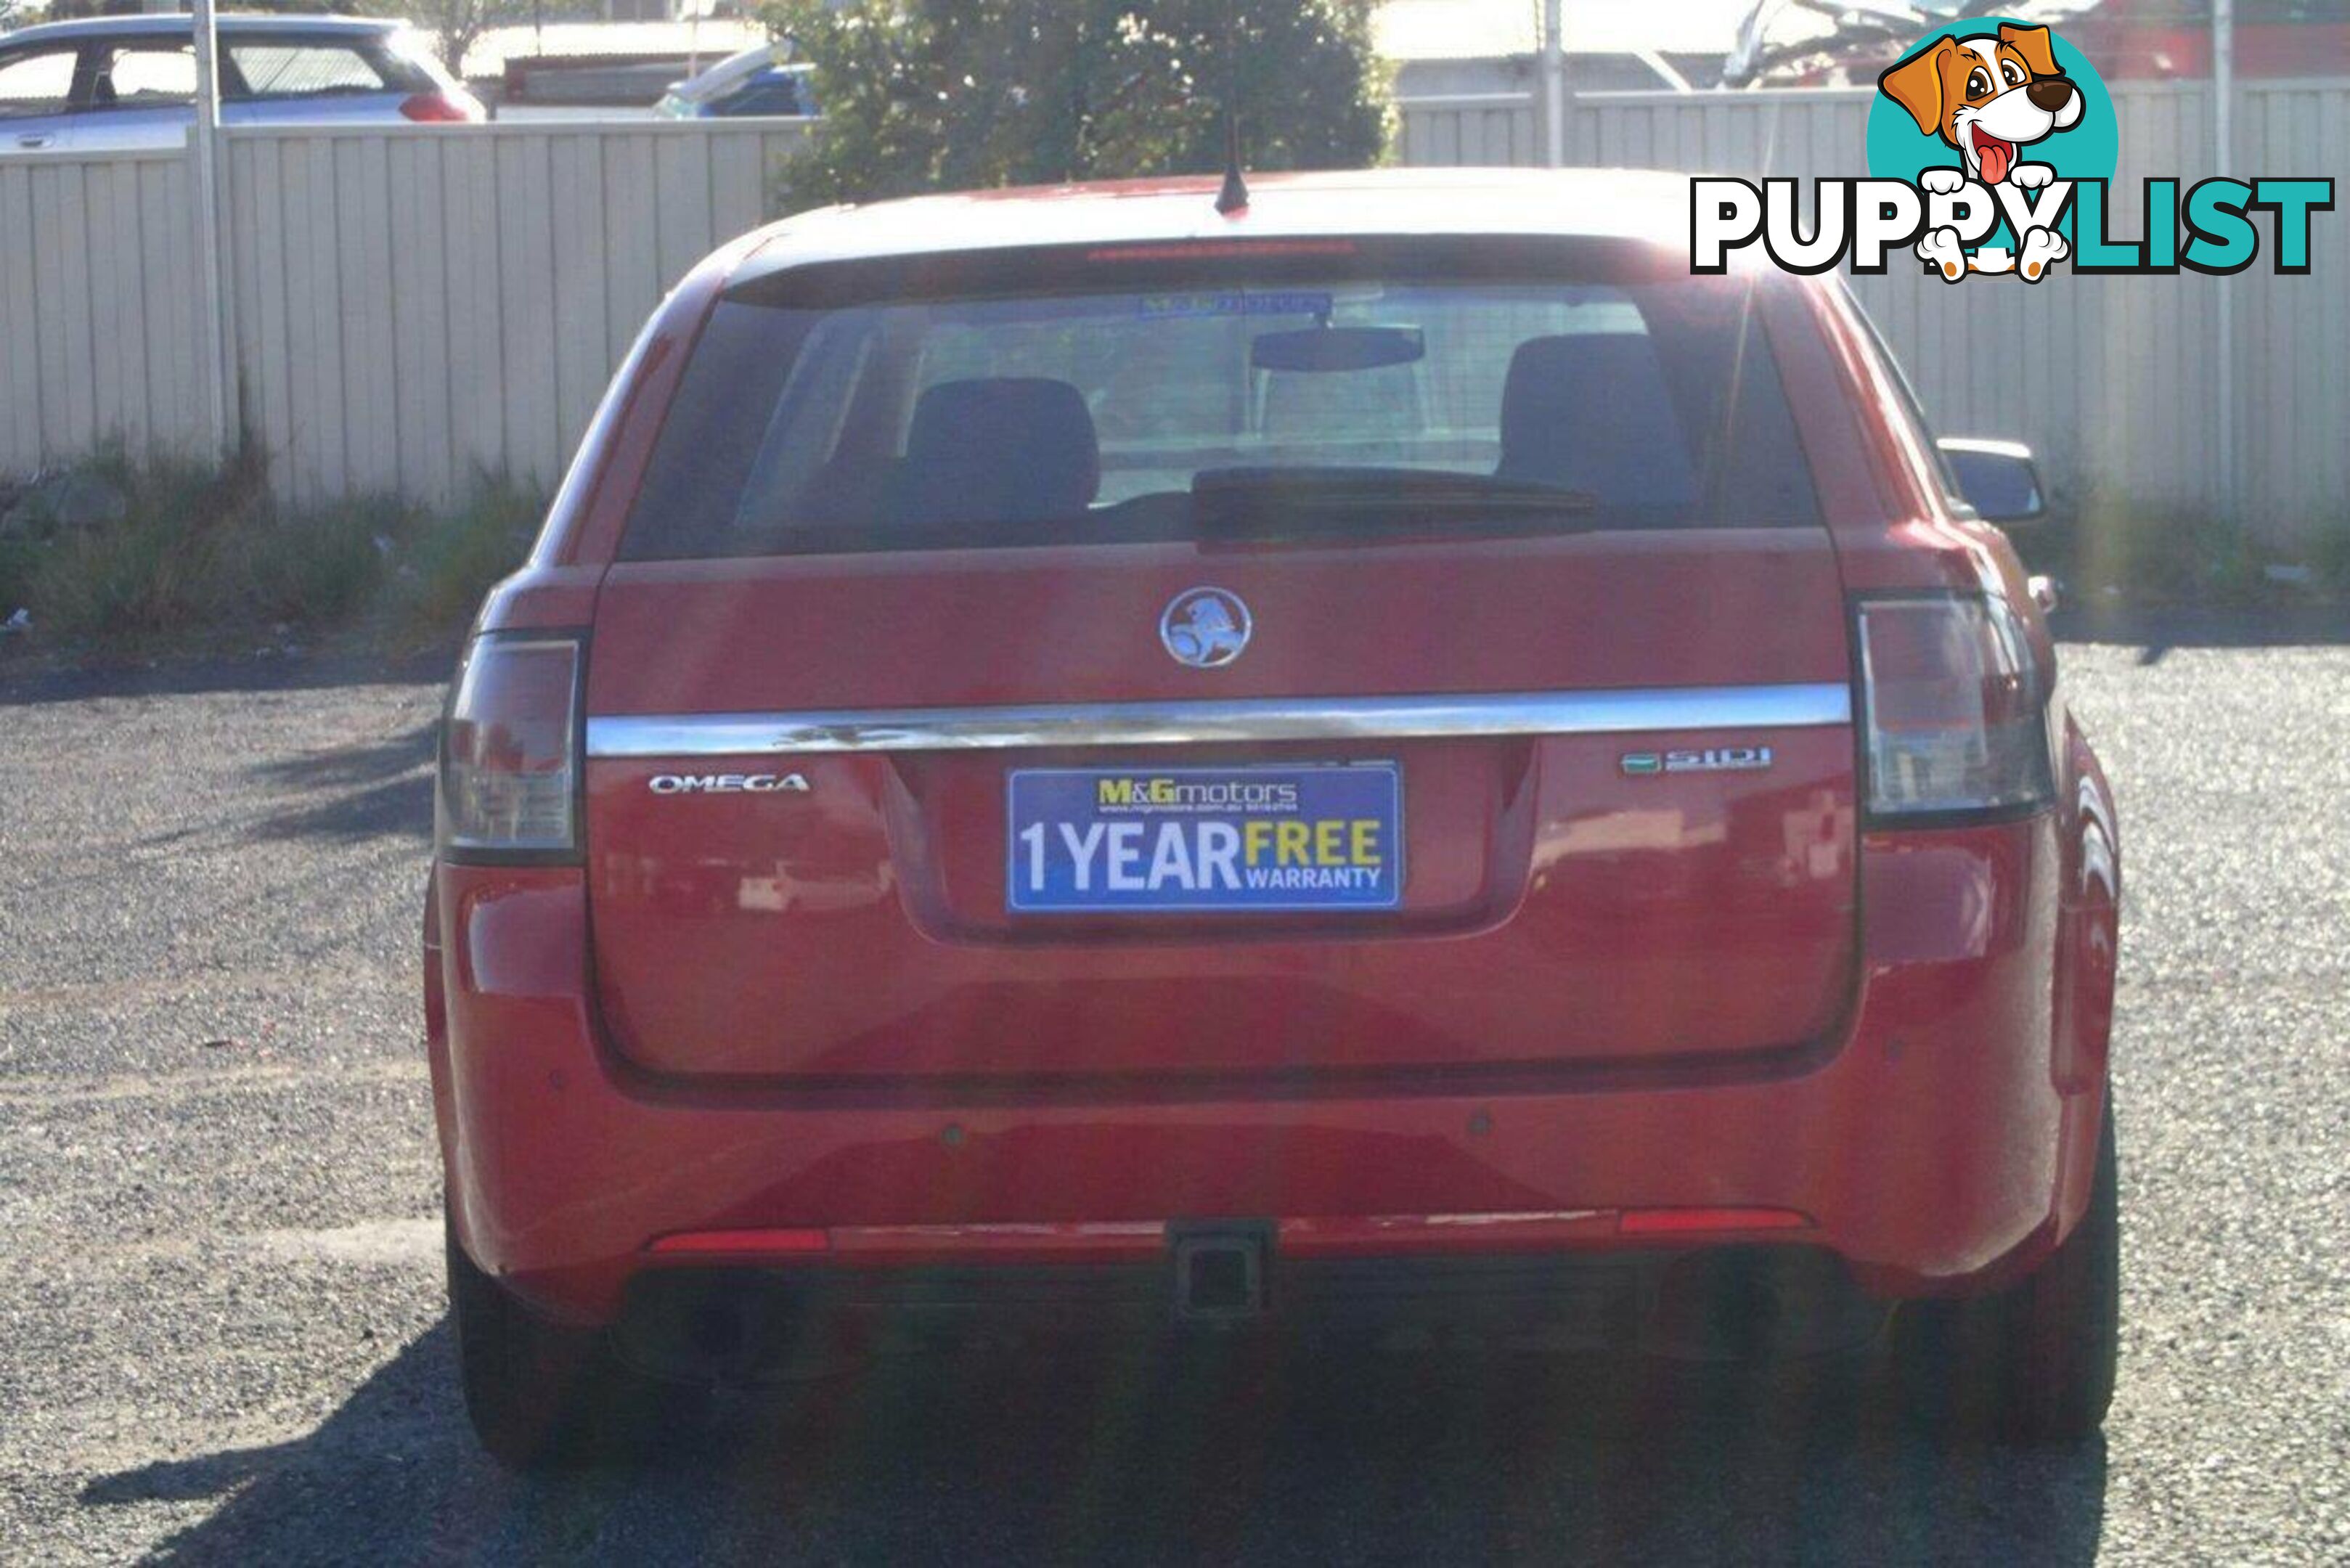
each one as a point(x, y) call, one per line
point(1220, 1274)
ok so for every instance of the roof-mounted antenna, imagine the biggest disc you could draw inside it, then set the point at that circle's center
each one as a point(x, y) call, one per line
point(1233, 197)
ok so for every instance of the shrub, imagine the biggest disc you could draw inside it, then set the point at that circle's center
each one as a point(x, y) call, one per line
point(452, 559)
point(311, 568)
point(925, 95)
point(2163, 551)
point(113, 547)
point(122, 553)
point(2329, 556)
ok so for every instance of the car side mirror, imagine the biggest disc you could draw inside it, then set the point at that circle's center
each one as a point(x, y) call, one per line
point(1998, 478)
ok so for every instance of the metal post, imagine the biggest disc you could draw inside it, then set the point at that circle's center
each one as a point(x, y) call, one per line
point(220, 378)
point(2223, 131)
point(1554, 45)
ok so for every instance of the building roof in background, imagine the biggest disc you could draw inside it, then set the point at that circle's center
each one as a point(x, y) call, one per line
point(1469, 29)
point(712, 40)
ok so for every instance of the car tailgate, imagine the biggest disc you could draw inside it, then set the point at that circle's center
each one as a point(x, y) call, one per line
point(1625, 839)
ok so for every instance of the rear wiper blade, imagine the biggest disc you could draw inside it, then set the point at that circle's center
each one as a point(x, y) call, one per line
point(1231, 500)
point(1385, 487)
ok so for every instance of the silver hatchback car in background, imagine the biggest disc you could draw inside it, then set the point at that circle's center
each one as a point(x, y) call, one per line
point(117, 82)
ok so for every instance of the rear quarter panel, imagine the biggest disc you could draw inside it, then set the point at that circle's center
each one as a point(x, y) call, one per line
point(1910, 539)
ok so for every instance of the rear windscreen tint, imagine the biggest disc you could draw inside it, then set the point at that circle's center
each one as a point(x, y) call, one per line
point(1088, 414)
point(298, 68)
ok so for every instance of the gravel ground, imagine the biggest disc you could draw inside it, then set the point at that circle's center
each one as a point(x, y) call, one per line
point(221, 1334)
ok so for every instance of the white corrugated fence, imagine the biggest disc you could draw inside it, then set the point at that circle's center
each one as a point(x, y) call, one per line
point(414, 306)
point(409, 306)
point(2110, 378)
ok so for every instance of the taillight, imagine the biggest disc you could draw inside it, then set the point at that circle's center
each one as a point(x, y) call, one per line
point(1955, 707)
point(510, 751)
point(440, 108)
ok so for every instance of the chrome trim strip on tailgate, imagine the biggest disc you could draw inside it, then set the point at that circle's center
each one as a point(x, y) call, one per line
point(1241, 720)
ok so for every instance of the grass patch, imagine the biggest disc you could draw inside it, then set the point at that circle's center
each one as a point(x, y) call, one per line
point(311, 568)
point(452, 559)
point(2329, 556)
point(2176, 553)
point(114, 548)
point(2166, 552)
point(125, 553)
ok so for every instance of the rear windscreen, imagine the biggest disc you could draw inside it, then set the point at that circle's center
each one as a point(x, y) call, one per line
point(295, 67)
point(1101, 414)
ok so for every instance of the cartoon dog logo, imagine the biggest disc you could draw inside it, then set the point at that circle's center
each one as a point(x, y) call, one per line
point(1990, 97)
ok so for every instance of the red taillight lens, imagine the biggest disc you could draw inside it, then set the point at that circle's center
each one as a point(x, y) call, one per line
point(509, 753)
point(1955, 707)
point(441, 109)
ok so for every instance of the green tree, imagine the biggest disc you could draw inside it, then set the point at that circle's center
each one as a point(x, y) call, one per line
point(455, 25)
point(928, 95)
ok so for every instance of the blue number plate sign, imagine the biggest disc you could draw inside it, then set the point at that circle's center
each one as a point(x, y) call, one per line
point(1175, 840)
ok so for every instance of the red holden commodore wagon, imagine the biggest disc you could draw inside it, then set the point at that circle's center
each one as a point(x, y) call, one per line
point(1076, 761)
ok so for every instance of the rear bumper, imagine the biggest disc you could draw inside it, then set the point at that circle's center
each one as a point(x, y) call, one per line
point(1931, 1148)
point(749, 1322)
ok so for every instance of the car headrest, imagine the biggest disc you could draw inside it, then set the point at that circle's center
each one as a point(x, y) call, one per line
point(1591, 411)
point(997, 448)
